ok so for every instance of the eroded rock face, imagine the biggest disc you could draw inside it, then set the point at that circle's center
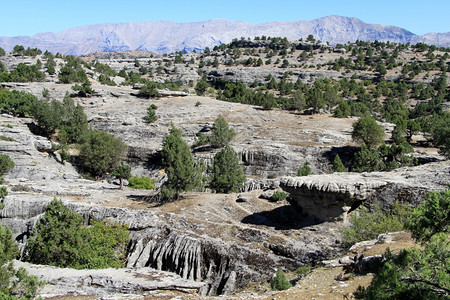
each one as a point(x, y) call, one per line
point(222, 266)
point(331, 196)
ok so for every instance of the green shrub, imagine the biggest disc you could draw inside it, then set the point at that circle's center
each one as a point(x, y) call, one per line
point(280, 282)
point(60, 239)
point(226, 172)
point(14, 284)
point(369, 224)
point(101, 153)
point(151, 114)
point(221, 134)
point(338, 166)
point(142, 183)
point(418, 273)
point(304, 170)
point(431, 216)
point(278, 196)
point(303, 270)
point(6, 164)
point(16, 103)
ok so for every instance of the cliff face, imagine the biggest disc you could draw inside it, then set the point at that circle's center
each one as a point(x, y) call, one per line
point(167, 37)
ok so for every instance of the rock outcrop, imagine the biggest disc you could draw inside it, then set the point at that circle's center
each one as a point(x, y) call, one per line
point(107, 282)
point(332, 196)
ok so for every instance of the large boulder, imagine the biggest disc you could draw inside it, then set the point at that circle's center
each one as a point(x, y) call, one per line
point(331, 197)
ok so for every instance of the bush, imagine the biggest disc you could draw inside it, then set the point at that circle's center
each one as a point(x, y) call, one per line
point(431, 216)
point(101, 152)
point(14, 284)
point(338, 166)
point(6, 164)
point(142, 183)
point(16, 103)
point(278, 196)
point(151, 114)
point(305, 170)
point(60, 239)
point(303, 270)
point(280, 282)
point(369, 224)
point(182, 172)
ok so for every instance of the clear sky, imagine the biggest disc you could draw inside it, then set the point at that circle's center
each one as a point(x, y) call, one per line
point(28, 17)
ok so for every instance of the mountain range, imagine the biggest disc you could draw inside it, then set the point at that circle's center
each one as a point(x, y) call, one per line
point(166, 36)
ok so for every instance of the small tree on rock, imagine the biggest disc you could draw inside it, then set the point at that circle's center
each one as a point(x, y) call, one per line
point(101, 152)
point(304, 170)
point(338, 166)
point(221, 134)
point(227, 175)
point(122, 172)
point(6, 164)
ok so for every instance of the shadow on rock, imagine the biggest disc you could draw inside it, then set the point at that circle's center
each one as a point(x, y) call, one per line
point(281, 218)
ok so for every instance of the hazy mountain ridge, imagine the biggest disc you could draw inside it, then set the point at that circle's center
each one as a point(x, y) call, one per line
point(168, 36)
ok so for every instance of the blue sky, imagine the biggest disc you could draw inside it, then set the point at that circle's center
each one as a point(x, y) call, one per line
point(28, 17)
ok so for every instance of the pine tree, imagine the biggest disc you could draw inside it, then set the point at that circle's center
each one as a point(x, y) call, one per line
point(367, 131)
point(221, 134)
point(280, 282)
point(183, 174)
point(227, 175)
point(304, 170)
point(338, 166)
point(101, 153)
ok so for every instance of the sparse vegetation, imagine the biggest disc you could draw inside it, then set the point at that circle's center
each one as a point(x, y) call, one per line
point(417, 273)
point(368, 224)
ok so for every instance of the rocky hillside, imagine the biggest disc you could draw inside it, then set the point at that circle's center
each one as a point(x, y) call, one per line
point(211, 243)
point(168, 37)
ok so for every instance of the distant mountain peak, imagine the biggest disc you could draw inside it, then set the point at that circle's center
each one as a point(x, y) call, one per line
point(169, 36)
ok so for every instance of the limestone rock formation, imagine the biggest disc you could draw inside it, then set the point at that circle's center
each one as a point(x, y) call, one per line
point(332, 196)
